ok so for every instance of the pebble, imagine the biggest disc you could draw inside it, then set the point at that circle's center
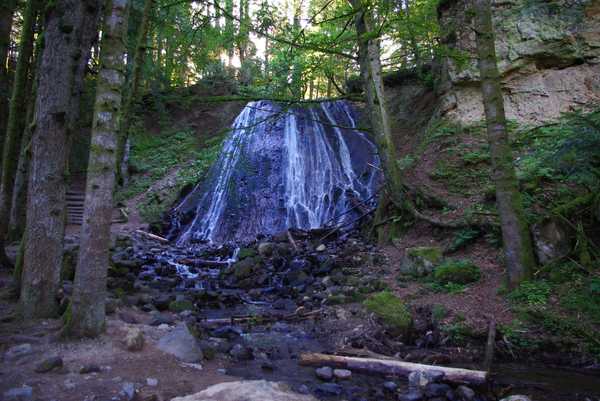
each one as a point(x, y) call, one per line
point(152, 382)
point(18, 351)
point(342, 374)
point(390, 386)
point(413, 395)
point(324, 373)
point(465, 393)
point(321, 248)
point(69, 384)
point(49, 364)
point(89, 368)
point(516, 398)
point(303, 389)
point(128, 390)
point(328, 389)
point(24, 393)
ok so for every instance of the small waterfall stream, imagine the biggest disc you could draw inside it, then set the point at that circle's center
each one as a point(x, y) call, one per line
point(281, 167)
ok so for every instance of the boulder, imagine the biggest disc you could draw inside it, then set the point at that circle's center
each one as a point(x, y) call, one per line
point(420, 261)
point(18, 351)
point(342, 374)
point(181, 344)
point(265, 249)
point(253, 390)
point(324, 373)
point(552, 240)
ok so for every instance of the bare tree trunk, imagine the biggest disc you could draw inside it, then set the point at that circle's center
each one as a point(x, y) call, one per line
point(518, 251)
point(131, 94)
point(7, 9)
point(87, 313)
point(16, 122)
point(46, 210)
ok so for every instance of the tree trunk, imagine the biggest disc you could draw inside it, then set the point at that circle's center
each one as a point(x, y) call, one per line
point(19, 201)
point(517, 245)
point(45, 210)
point(87, 313)
point(16, 122)
point(370, 71)
point(131, 94)
point(7, 10)
point(86, 35)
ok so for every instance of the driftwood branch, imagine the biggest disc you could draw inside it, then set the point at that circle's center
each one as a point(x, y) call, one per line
point(394, 368)
point(152, 236)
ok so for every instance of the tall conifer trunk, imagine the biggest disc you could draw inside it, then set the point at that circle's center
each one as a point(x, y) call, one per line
point(87, 310)
point(7, 10)
point(130, 95)
point(47, 182)
point(518, 251)
point(16, 123)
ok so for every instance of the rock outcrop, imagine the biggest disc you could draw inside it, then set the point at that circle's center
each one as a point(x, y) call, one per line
point(548, 55)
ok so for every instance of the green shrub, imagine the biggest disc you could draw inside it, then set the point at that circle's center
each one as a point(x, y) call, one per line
point(531, 293)
point(391, 310)
point(457, 272)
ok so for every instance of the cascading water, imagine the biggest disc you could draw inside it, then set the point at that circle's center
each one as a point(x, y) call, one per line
point(281, 168)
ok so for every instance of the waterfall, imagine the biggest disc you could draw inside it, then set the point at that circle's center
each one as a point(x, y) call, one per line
point(281, 167)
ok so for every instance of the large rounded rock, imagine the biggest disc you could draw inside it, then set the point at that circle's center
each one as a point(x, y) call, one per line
point(255, 390)
point(181, 344)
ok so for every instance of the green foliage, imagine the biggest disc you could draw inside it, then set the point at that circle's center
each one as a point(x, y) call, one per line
point(438, 313)
point(463, 238)
point(531, 293)
point(456, 272)
point(391, 310)
point(458, 331)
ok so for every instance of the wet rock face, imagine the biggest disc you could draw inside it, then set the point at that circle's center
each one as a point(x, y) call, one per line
point(281, 168)
point(548, 53)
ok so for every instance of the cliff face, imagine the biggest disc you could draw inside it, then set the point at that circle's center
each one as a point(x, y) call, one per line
point(548, 55)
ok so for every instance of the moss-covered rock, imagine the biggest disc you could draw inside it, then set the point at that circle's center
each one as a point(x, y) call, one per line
point(420, 261)
point(457, 272)
point(180, 306)
point(247, 253)
point(392, 312)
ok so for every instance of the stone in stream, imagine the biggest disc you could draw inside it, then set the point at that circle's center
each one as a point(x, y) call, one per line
point(181, 344)
point(324, 373)
point(24, 393)
point(390, 386)
point(419, 379)
point(253, 390)
point(328, 389)
point(465, 393)
point(49, 364)
point(342, 374)
point(412, 395)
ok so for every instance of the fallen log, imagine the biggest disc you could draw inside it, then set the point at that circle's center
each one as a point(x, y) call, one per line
point(152, 236)
point(296, 316)
point(394, 368)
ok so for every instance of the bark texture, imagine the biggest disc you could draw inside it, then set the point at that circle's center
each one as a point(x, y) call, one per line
point(45, 210)
point(134, 83)
point(7, 10)
point(16, 122)
point(87, 311)
point(369, 58)
point(518, 251)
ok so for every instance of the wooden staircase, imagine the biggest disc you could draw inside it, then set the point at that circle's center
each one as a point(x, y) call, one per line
point(75, 200)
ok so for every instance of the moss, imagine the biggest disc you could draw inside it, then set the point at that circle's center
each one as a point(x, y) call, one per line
point(180, 306)
point(246, 253)
point(457, 272)
point(430, 253)
point(391, 310)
